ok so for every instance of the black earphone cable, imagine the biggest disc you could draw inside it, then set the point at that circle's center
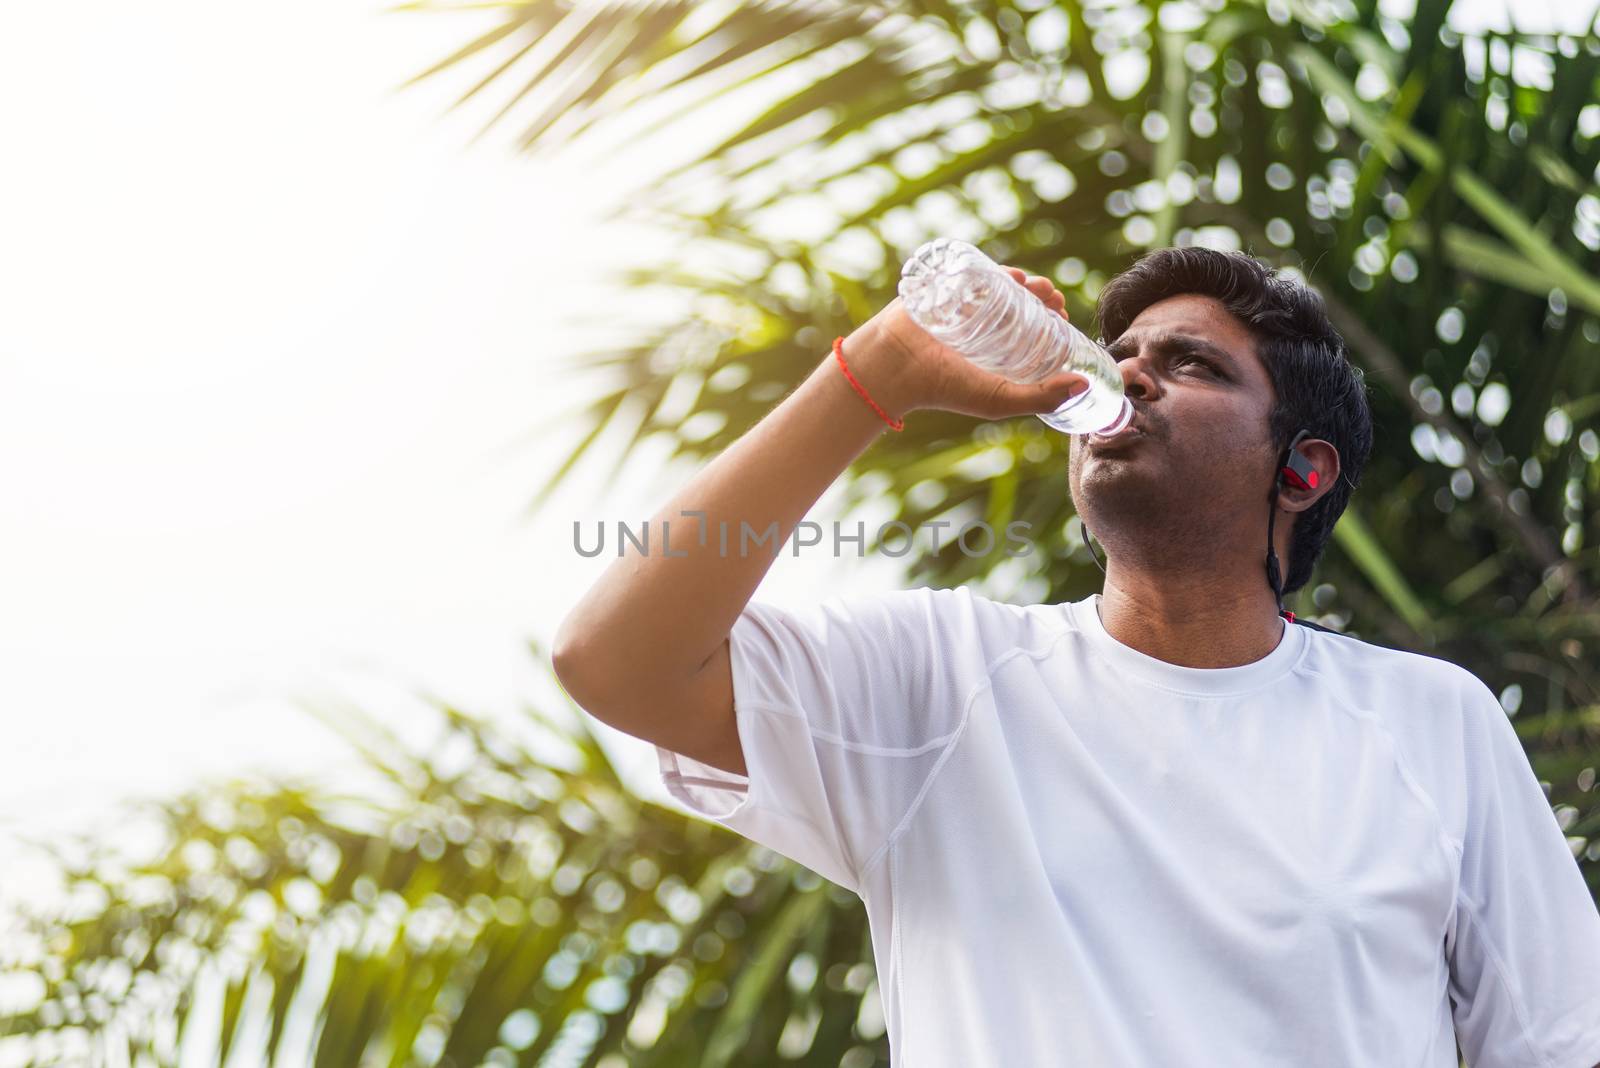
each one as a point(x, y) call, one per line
point(1083, 528)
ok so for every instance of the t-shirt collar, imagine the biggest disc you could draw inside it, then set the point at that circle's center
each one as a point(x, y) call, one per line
point(1205, 681)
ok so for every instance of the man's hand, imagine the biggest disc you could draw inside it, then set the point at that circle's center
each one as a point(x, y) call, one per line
point(909, 369)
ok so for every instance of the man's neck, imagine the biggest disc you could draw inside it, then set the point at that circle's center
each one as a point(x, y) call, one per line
point(1214, 622)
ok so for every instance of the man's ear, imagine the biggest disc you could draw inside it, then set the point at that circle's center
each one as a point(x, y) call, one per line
point(1325, 458)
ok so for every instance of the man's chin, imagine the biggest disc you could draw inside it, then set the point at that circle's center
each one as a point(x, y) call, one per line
point(1119, 495)
point(1126, 467)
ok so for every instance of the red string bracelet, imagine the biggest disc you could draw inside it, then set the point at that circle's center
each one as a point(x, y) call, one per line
point(838, 352)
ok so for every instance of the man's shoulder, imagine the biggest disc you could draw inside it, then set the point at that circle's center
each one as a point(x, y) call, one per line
point(1350, 659)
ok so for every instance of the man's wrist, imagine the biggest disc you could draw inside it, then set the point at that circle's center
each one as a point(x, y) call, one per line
point(881, 367)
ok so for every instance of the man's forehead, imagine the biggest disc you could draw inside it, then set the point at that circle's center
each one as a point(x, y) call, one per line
point(1193, 316)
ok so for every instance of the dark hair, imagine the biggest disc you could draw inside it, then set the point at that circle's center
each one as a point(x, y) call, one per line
point(1317, 386)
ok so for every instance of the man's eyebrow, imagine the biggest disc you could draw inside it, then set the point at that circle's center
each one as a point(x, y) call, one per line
point(1126, 346)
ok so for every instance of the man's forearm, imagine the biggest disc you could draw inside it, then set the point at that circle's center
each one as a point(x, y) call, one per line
point(653, 619)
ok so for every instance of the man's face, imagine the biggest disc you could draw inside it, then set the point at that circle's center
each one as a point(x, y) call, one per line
point(1198, 473)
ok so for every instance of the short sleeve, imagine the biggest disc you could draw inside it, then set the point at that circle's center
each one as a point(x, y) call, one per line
point(1523, 942)
point(844, 708)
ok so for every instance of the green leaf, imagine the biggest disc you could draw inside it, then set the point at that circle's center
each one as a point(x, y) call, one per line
point(1358, 542)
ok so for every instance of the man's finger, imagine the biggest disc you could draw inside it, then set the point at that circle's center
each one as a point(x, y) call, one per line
point(1019, 399)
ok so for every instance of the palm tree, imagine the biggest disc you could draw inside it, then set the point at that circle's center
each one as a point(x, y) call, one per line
point(1441, 191)
point(474, 906)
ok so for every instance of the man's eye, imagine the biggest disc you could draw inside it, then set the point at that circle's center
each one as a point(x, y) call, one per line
point(1190, 358)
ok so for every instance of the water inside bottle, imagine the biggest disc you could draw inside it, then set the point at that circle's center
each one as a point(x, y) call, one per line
point(1101, 409)
point(949, 300)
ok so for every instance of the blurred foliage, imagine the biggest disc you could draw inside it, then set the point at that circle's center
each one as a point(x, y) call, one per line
point(1440, 190)
point(486, 908)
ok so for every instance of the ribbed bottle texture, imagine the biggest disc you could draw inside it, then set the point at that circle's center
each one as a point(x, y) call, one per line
point(967, 301)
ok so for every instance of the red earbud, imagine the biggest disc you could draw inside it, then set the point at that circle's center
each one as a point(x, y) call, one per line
point(1297, 470)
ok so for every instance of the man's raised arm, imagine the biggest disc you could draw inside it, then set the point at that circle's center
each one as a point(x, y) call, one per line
point(646, 648)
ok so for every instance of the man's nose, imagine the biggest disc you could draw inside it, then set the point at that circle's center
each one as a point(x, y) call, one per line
point(1136, 379)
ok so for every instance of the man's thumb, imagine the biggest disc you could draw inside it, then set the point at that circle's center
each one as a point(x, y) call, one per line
point(1053, 392)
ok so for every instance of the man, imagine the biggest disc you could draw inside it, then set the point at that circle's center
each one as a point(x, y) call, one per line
point(1162, 825)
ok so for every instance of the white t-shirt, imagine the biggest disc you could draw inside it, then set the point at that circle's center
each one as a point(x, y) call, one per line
point(1072, 853)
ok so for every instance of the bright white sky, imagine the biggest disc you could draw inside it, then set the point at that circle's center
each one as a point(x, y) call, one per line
point(276, 354)
point(275, 360)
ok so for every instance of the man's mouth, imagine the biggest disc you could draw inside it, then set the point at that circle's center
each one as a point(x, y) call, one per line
point(1102, 441)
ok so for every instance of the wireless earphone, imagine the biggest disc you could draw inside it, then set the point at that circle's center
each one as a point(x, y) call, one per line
point(1294, 470)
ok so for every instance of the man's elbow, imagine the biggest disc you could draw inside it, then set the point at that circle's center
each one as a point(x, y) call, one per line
point(573, 658)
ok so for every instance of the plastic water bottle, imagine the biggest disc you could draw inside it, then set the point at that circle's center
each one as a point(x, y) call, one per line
point(968, 302)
